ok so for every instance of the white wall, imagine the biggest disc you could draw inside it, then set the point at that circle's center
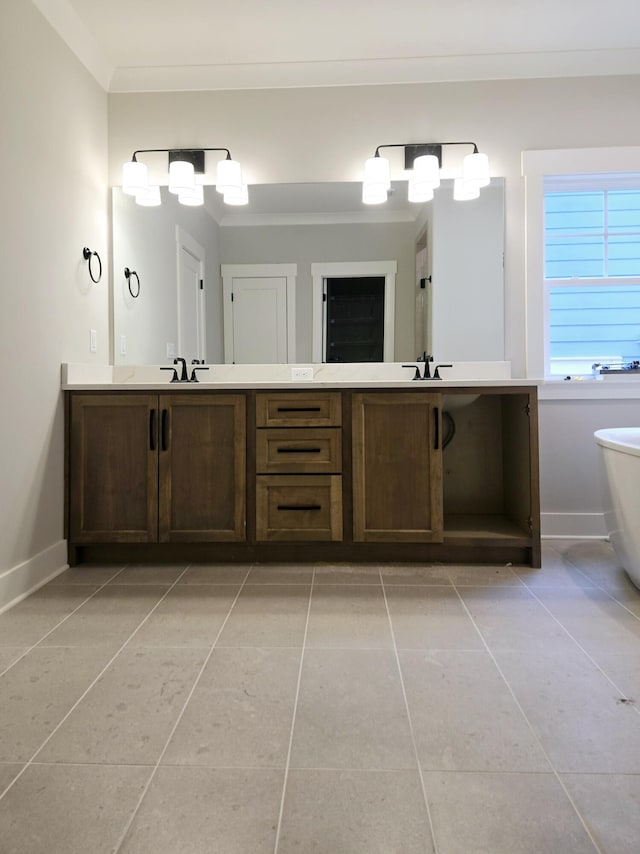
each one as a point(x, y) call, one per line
point(53, 151)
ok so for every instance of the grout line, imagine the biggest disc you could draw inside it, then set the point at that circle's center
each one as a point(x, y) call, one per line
point(411, 730)
point(64, 619)
point(293, 717)
point(557, 775)
point(127, 826)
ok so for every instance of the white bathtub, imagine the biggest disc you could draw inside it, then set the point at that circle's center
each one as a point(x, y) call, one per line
point(619, 453)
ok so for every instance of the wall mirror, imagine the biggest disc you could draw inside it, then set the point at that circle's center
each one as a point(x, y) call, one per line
point(449, 285)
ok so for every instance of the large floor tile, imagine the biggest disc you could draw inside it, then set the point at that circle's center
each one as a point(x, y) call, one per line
point(610, 806)
point(594, 619)
point(464, 717)
point(95, 575)
point(512, 618)
point(8, 773)
point(241, 711)
point(504, 814)
point(213, 573)
point(354, 812)
point(9, 655)
point(575, 711)
point(430, 618)
point(127, 716)
point(151, 574)
point(205, 810)
point(268, 615)
point(556, 571)
point(623, 669)
point(109, 618)
point(483, 576)
point(353, 617)
point(33, 618)
point(347, 574)
point(280, 573)
point(188, 615)
point(351, 712)
point(70, 809)
point(407, 573)
point(597, 560)
point(39, 691)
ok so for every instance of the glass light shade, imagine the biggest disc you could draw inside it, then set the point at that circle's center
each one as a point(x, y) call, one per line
point(465, 190)
point(375, 195)
point(426, 172)
point(181, 177)
point(233, 197)
point(419, 194)
point(149, 198)
point(135, 178)
point(228, 176)
point(475, 167)
point(377, 176)
point(193, 198)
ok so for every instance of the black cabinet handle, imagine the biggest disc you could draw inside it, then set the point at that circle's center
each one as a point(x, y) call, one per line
point(298, 450)
point(298, 409)
point(152, 430)
point(436, 415)
point(299, 507)
point(164, 429)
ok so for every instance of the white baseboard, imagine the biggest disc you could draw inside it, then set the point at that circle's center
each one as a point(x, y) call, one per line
point(573, 526)
point(21, 580)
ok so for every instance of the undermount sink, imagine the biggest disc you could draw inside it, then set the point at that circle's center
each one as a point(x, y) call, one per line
point(457, 401)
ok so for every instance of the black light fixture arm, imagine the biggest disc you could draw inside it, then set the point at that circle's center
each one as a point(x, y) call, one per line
point(134, 156)
point(422, 145)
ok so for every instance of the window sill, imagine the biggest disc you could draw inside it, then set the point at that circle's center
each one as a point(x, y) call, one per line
point(590, 388)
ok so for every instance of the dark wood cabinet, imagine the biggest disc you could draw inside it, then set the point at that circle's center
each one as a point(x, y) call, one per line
point(446, 474)
point(397, 467)
point(113, 468)
point(147, 468)
point(299, 466)
point(202, 468)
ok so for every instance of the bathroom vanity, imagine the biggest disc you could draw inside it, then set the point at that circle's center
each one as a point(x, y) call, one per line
point(361, 471)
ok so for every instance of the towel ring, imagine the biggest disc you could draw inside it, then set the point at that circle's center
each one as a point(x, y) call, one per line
point(129, 274)
point(87, 254)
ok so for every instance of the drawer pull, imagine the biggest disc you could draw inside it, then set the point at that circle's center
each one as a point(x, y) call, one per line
point(298, 409)
point(298, 450)
point(299, 507)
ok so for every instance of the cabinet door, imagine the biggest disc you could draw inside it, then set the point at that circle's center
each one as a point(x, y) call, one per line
point(202, 467)
point(397, 467)
point(113, 469)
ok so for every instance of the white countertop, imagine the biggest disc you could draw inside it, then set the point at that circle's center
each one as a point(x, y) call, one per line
point(220, 377)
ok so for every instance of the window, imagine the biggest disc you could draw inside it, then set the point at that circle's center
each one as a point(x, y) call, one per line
point(592, 271)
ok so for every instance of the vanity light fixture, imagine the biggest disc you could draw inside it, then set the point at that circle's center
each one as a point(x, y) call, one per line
point(423, 161)
point(186, 173)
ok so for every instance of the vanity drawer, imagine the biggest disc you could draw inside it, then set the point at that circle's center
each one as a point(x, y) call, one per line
point(310, 450)
point(299, 409)
point(299, 507)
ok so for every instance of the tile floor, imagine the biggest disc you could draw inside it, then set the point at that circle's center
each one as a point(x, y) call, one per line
point(319, 709)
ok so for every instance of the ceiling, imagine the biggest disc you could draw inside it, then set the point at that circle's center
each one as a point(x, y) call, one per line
point(144, 45)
